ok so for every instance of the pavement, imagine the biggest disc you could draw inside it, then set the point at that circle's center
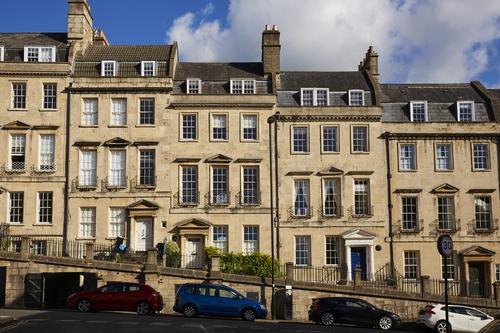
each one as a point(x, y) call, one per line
point(54, 321)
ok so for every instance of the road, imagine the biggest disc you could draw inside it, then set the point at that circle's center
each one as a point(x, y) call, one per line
point(110, 322)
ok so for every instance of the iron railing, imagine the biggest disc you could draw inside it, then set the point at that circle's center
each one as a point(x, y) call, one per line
point(360, 212)
point(44, 168)
point(297, 213)
point(190, 199)
point(416, 228)
point(14, 167)
point(79, 184)
point(251, 198)
point(475, 227)
point(146, 183)
point(444, 227)
point(334, 212)
point(218, 198)
point(112, 183)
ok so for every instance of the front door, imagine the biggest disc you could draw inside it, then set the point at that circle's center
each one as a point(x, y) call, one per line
point(194, 255)
point(477, 279)
point(358, 259)
point(143, 233)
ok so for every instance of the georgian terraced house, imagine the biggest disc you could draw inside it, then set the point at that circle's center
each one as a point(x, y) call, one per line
point(102, 141)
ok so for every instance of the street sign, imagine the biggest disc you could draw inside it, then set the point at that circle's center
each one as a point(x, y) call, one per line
point(445, 245)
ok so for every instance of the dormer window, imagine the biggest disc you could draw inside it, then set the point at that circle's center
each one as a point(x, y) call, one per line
point(148, 68)
point(356, 97)
point(108, 68)
point(2, 53)
point(193, 86)
point(40, 54)
point(314, 97)
point(418, 111)
point(242, 86)
point(465, 111)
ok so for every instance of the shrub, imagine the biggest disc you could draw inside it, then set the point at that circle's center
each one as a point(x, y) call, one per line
point(172, 254)
point(255, 264)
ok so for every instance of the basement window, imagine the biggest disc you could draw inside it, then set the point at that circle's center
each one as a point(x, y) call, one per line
point(108, 68)
point(39, 53)
point(148, 68)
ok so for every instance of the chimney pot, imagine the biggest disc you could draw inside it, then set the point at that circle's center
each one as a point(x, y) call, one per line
point(266, 27)
point(275, 27)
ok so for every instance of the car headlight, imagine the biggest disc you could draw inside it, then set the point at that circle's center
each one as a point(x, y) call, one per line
point(262, 307)
point(395, 316)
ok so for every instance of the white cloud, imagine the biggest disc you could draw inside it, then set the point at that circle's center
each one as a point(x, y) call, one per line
point(417, 40)
point(208, 9)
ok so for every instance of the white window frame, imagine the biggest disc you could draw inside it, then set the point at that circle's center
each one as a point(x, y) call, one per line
point(148, 114)
point(315, 96)
point(92, 116)
point(362, 96)
point(486, 157)
point(191, 178)
point(46, 159)
point(20, 151)
point(143, 72)
point(332, 254)
point(337, 139)
point(292, 139)
point(212, 126)
point(336, 197)
point(301, 208)
point(412, 160)
point(2, 53)
point(307, 244)
point(450, 156)
point(20, 219)
point(103, 66)
point(13, 96)
point(50, 209)
point(222, 197)
point(117, 176)
point(242, 82)
point(406, 222)
point(48, 97)
point(359, 207)
point(91, 223)
point(412, 103)
point(188, 83)
point(243, 127)
point(40, 48)
point(220, 242)
point(87, 177)
point(450, 265)
point(118, 118)
point(473, 110)
point(116, 225)
point(255, 198)
point(251, 246)
point(182, 128)
point(367, 139)
point(415, 255)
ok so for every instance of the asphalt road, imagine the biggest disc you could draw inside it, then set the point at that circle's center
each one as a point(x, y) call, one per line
point(110, 322)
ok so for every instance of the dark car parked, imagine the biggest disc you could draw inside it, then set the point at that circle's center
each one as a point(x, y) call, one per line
point(328, 311)
point(118, 296)
point(216, 300)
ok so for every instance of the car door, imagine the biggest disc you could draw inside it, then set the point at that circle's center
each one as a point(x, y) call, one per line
point(340, 310)
point(459, 319)
point(206, 299)
point(356, 312)
point(229, 302)
point(106, 298)
point(476, 319)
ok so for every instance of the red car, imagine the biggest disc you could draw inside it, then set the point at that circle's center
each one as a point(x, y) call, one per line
point(118, 296)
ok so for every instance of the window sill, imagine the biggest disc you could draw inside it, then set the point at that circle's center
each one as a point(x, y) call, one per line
point(410, 171)
point(15, 224)
point(85, 238)
point(48, 110)
point(300, 153)
point(360, 152)
point(17, 110)
point(481, 170)
point(249, 141)
point(145, 125)
point(43, 224)
point(188, 140)
point(330, 152)
point(117, 126)
point(451, 170)
point(88, 126)
point(219, 140)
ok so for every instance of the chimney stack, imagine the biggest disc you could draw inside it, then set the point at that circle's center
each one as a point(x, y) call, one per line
point(80, 31)
point(370, 63)
point(100, 38)
point(271, 50)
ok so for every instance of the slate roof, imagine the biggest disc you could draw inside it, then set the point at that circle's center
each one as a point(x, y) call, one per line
point(15, 42)
point(218, 71)
point(433, 93)
point(335, 81)
point(97, 53)
point(495, 92)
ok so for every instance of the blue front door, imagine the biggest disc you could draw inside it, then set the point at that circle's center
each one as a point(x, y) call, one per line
point(358, 259)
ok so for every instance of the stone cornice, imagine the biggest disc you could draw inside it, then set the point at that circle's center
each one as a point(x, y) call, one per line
point(329, 117)
point(222, 105)
point(430, 136)
point(103, 89)
point(38, 74)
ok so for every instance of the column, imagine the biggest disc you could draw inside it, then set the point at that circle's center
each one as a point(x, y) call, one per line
point(348, 261)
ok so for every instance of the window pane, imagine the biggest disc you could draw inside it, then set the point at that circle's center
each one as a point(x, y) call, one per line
point(147, 167)
point(362, 198)
point(219, 127)
point(250, 239)
point(250, 186)
point(220, 237)
point(118, 111)
point(450, 267)
point(321, 97)
point(331, 197)
point(302, 250)
point(189, 127)
point(47, 148)
point(330, 139)
point(483, 212)
point(87, 222)
point(189, 185)
point(481, 158)
point(117, 168)
point(117, 217)
point(409, 213)
point(147, 111)
point(148, 68)
point(220, 193)
point(87, 174)
point(300, 140)
point(193, 86)
point(16, 207)
point(356, 98)
point(18, 152)
point(19, 95)
point(443, 157)
point(332, 250)
point(50, 96)
point(446, 213)
point(307, 97)
point(237, 86)
point(249, 127)
point(407, 157)
point(89, 112)
point(411, 262)
point(360, 139)
point(301, 198)
point(418, 112)
point(45, 207)
point(248, 87)
point(465, 111)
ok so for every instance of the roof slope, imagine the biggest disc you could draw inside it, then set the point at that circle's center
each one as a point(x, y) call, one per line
point(22, 39)
point(97, 53)
point(433, 93)
point(335, 81)
point(218, 71)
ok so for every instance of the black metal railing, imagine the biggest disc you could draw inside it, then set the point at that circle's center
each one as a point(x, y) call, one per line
point(362, 211)
point(326, 274)
point(250, 198)
point(482, 227)
point(186, 199)
point(302, 212)
point(143, 183)
point(331, 212)
point(79, 184)
point(111, 183)
point(218, 198)
point(414, 227)
point(44, 168)
point(444, 227)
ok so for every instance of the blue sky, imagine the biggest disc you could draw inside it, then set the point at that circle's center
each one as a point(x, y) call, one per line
point(417, 40)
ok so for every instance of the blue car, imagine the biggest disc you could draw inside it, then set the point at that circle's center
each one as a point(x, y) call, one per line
point(216, 300)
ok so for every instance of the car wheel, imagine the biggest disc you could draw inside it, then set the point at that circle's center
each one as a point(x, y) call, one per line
point(385, 323)
point(84, 305)
point(190, 311)
point(143, 308)
point(327, 318)
point(248, 314)
point(441, 327)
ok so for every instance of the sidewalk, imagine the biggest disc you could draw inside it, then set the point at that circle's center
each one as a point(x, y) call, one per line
point(6, 320)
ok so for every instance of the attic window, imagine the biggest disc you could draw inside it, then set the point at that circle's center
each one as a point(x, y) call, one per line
point(39, 53)
point(242, 86)
point(418, 111)
point(314, 97)
point(2, 53)
point(193, 86)
point(148, 68)
point(465, 111)
point(356, 97)
point(108, 68)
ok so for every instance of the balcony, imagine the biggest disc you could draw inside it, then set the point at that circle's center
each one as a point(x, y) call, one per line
point(143, 183)
point(114, 183)
point(408, 227)
point(218, 198)
point(331, 212)
point(15, 167)
point(248, 198)
point(298, 213)
point(444, 227)
point(482, 227)
point(186, 199)
point(83, 184)
point(44, 168)
point(363, 211)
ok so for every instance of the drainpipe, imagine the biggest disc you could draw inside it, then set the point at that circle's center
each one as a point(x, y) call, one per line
point(66, 169)
point(389, 202)
point(276, 180)
point(271, 200)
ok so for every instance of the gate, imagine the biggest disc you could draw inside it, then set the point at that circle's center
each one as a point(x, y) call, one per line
point(3, 282)
point(34, 290)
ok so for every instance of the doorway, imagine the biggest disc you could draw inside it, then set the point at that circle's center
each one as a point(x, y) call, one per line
point(143, 233)
point(358, 259)
point(477, 279)
point(194, 252)
point(3, 283)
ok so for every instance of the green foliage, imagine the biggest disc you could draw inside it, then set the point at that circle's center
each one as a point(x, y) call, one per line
point(6, 244)
point(210, 251)
point(255, 264)
point(172, 254)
